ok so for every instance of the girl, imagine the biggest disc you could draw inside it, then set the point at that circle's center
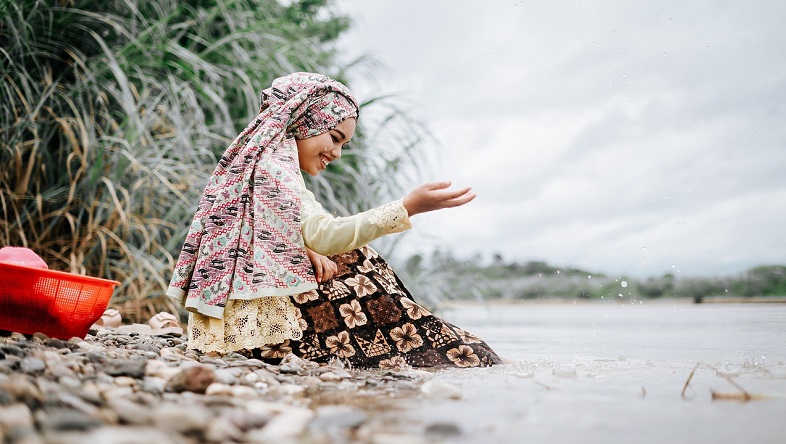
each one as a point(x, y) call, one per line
point(266, 270)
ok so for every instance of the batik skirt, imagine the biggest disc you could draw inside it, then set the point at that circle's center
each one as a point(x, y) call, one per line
point(366, 317)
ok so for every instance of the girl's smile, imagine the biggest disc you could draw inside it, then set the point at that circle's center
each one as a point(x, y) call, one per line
point(315, 153)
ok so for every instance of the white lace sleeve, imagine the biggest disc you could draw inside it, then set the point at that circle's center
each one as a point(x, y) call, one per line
point(391, 217)
point(327, 234)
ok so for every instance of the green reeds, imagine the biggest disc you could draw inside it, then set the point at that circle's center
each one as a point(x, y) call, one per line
point(113, 115)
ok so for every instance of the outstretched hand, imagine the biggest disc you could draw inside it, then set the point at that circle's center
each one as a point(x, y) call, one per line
point(324, 268)
point(436, 196)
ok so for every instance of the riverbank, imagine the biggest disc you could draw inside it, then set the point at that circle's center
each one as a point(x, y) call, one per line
point(119, 387)
point(588, 373)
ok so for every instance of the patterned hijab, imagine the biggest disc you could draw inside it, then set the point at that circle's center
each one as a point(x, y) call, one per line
point(245, 241)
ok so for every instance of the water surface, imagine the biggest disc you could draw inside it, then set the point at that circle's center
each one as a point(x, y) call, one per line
point(611, 372)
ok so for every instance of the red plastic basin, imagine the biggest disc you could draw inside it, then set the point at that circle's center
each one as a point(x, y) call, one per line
point(57, 304)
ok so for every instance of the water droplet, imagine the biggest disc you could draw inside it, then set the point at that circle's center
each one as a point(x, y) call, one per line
point(624, 284)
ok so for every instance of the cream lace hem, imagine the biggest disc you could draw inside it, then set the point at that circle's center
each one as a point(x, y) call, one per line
point(391, 217)
point(247, 324)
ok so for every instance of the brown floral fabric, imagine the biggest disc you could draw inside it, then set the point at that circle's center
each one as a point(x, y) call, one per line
point(366, 317)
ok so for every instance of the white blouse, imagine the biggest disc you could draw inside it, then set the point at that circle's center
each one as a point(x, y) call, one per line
point(328, 235)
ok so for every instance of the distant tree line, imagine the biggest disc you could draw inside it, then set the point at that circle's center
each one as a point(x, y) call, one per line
point(471, 278)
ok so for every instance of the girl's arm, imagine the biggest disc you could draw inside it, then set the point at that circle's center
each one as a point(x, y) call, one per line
point(328, 235)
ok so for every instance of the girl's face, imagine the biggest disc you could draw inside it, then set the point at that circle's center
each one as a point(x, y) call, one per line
point(315, 153)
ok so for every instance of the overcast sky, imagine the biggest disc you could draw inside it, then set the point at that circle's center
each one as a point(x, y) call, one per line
point(624, 137)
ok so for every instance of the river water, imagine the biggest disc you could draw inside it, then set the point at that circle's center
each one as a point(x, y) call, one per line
point(609, 372)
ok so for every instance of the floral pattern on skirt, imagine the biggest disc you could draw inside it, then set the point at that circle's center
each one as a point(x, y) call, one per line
point(365, 317)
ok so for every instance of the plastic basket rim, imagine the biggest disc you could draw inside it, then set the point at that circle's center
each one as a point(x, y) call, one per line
point(45, 272)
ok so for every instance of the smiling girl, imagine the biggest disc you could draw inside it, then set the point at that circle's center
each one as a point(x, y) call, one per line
point(266, 271)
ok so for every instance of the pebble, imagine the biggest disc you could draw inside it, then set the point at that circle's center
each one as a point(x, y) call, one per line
point(442, 430)
point(130, 412)
point(289, 389)
point(66, 419)
point(337, 417)
point(147, 348)
point(229, 375)
point(60, 344)
point(32, 365)
point(153, 385)
point(289, 422)
point(132, 435)
point(134, 368)
point(181, 418)
point(15, 416)
point(245, 392)
point(440, 390)
point(77, 403)
point(125, 381)
point(12, 350)
point(290, 368)
point(160, 369)
point(116, 387)
point(90, 392)
point(267, 377)
point(218, 389)
point(330, 377)
point(223, 430)
point(192, 379)
point(60, 370)
point(16, 424)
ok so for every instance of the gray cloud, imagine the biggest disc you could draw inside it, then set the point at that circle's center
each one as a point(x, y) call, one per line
point(626, 137)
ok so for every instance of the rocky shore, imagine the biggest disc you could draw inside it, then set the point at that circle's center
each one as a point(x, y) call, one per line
point(116, 387)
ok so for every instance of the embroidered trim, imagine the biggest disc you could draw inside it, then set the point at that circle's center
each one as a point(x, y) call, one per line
point(247, 324)
point(391, 217)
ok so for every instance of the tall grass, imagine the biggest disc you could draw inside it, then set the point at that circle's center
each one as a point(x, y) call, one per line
point(114, 113)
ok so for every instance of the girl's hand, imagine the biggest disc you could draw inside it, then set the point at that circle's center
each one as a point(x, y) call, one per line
point(435, 196)
point(324, 268)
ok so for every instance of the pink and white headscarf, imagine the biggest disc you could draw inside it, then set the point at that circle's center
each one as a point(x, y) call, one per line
point(245, 241)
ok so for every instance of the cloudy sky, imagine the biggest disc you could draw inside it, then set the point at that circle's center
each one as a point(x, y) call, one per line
point(625, 137)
